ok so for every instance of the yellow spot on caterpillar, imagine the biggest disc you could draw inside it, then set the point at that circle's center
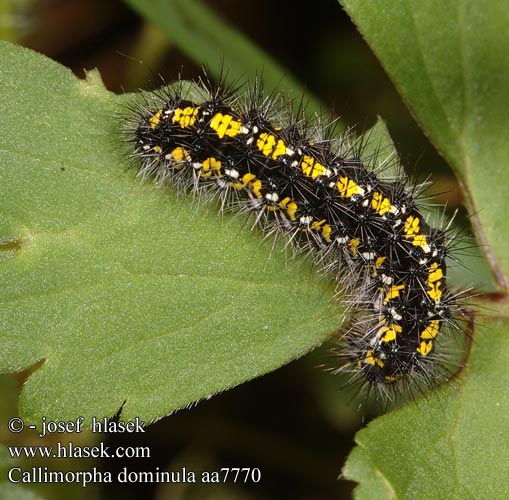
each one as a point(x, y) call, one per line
point(180, 154)
point(323, 228)
point(185, 117)
point(421, 241)
point(393, 378)
point(381, 204)
point(411, 230)
point(411, 226)
point(311, 168)
point(434, 291)
point(378, 262)
point(393, 292)
point(289, 206)
point(154, 120)
point(353, 244)
point(435, 273)
point(389, 333)
point(347, 187)
point(425, 348)
point(157, 149)
point(372, 360)
point(431, 331)
point(269, 145)
point(225, 125)
point(253, 184)
point(210, 166)
point(326, 232)
point(434, 283)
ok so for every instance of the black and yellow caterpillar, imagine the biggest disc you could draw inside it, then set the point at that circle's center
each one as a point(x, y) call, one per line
point(323, 197)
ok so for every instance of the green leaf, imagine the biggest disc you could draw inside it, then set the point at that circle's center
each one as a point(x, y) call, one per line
point(9, 491)
point(448, 61)
point(452, 444)
point(119, 291)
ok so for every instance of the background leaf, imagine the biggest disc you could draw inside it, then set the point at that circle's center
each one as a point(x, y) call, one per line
point(122, 291)
point(201, 34)
point(448, 62)
point(451, 444)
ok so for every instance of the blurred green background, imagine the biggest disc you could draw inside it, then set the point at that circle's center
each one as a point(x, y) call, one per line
point(293, 424)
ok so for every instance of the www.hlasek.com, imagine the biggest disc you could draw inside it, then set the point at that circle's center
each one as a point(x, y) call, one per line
point(68, 450)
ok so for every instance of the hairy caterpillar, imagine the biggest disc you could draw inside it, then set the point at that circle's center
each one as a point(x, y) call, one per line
point(318, 192)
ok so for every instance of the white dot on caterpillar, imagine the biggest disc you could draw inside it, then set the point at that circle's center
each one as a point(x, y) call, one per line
point(395, 315)
point(369, 255)
point(342, 240)
point(306, 220)
point(231, 172)
point(387, 280)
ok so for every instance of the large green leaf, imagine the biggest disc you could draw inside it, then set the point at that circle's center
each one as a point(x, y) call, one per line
point(452, 444)
point(448, 61)
point(121, 291)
